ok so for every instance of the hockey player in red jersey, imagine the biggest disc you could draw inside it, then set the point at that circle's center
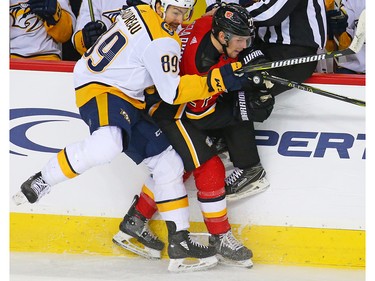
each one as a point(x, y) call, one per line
point(208, 43)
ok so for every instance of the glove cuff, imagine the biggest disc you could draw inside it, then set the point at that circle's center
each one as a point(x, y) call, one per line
point(54, 19)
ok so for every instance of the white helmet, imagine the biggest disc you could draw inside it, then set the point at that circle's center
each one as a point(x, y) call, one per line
point(178, 3)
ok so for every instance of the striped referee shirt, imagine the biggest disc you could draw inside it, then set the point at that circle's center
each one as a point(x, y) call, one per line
point(291, 22)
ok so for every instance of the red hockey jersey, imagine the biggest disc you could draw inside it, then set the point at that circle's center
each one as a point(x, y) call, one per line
point(191, 37)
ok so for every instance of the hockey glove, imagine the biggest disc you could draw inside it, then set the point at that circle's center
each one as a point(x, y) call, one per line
point(47, 10)
point(250, 106)
point(337, 22)
point(226, 79)
point(91, 32)
point(253, 56)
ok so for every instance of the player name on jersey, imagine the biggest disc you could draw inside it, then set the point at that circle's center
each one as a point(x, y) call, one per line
point(131, 21)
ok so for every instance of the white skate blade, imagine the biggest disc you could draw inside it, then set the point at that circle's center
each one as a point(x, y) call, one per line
point(191, 264)
point(19, 198)
point(255, 188)
point(245, 263)
point(131, 244)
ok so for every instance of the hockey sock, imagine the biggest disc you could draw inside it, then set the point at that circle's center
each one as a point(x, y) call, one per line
point(146, 205)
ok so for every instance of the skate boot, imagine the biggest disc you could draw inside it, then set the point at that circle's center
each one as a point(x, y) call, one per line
point(136, 236)
point(230, 251)
point(32, 190)
point(244, 183)
point(185, 254)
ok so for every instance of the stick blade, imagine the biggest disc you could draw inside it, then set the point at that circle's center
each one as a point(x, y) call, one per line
point(360, 35)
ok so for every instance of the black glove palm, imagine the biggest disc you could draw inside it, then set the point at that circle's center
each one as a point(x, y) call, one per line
point(47, 10)
point(91, 32)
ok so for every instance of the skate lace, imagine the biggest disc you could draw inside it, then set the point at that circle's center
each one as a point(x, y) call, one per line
point(196, 243)
point(40, 187)
point(148, 231)
point(230, 241)
point(235, 175)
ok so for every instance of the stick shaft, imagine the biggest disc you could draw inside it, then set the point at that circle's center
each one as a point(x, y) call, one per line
point(310, 89)
point(91, 10)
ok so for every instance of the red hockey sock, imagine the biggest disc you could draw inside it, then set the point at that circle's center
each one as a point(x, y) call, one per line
point(146, 205)
point(217, 225)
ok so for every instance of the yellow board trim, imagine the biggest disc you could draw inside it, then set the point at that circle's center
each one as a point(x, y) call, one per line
point(270, 244)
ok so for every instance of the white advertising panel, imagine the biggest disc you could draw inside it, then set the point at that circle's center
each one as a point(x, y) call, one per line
point(312, 147)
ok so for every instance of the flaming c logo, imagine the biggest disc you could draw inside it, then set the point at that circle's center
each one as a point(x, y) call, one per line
point(228, 14)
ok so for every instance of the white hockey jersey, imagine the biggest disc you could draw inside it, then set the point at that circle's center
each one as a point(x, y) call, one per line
point(28, 36)
point(355, 62)
point(137, 52)
point(103, 10)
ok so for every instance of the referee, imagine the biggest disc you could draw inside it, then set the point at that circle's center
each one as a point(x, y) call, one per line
point(288, 29)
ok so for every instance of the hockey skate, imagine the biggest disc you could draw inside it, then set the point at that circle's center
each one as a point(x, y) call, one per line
point(186, 254)
point(32, 190)
point(136, 236)
point(230, 251)
point(244, 183)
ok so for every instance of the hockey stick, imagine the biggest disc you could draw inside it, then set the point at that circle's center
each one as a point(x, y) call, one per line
point(91, 10)
point(354, 48)
point(310, 89)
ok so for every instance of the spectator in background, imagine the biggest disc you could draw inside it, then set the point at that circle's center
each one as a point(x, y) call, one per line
point(68, 51)
point(39, 27)
point(342, 25)
point(94, 18)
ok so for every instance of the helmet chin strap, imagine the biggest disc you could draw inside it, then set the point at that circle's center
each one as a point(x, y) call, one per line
point(225, 49)
point(226, 38)
point(224, 46)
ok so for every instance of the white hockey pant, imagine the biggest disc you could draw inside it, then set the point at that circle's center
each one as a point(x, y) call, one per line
point(101, 147)
point(168, 188)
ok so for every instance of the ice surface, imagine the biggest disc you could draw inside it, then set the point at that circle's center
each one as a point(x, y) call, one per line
point(73, 267)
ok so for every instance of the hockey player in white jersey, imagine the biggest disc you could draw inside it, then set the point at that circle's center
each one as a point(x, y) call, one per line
point(139, 51)
point(342, 24)
point(95, 17)
point(39, 27)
